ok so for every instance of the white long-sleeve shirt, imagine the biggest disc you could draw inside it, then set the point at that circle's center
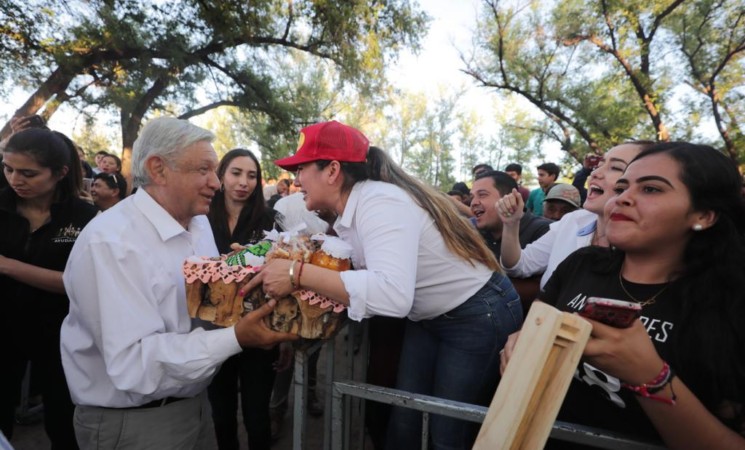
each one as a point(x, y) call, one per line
point(128, 338)
point(572, 232)
point(404, 268)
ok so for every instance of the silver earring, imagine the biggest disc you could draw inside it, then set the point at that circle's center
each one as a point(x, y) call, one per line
point(698, 227)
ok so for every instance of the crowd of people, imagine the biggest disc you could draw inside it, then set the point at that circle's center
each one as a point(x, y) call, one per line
point(445, 280)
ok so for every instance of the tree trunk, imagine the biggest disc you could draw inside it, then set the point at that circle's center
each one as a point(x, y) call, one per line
point(132, 121)
point(54, 85)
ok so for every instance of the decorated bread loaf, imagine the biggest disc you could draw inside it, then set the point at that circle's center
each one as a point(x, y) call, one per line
point(334, 254)
point(304, 312)
point(212, 285)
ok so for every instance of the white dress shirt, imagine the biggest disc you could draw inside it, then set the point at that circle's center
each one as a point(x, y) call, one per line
point(128, 338)
point(572, 232)
point(404, 268)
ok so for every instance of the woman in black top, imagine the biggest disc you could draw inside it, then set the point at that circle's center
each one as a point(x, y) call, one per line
point(41, 215)
point(676, 226)
point(238, 214)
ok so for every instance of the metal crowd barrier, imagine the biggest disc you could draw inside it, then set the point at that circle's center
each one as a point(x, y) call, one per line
point(432, 405)
point(339, 394)
point(300, 381)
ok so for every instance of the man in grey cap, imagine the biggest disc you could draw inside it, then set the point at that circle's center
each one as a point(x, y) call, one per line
point(561, 199)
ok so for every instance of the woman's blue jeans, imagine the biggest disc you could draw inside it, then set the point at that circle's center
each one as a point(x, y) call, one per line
point(454, 356)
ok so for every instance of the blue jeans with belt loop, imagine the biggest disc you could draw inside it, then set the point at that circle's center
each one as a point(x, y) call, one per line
point(454, 356)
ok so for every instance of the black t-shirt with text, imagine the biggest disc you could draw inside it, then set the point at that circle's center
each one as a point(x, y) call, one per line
point(596, 398)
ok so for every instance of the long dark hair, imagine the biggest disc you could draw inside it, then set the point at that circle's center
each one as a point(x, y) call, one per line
point(460, 237)
point(255, 215)
point(710, 339)
point(55, 151)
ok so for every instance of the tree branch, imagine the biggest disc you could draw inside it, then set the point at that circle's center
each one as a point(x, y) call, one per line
point(203, 109)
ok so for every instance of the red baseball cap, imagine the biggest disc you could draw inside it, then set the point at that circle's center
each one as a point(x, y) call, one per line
point(327, 140)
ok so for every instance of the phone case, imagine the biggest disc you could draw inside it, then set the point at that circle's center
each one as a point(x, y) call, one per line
point(616, 313)
point(593, 161)
point(36, 121)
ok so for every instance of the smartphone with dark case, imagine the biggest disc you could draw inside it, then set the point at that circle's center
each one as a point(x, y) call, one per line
point(36, 121)
point(616, 313)
point(593, 161)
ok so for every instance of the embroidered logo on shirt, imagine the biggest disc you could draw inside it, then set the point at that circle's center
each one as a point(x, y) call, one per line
point(67, 234)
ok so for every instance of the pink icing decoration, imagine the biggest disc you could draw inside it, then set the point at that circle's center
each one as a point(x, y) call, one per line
point(317, 299)
point(208, 270)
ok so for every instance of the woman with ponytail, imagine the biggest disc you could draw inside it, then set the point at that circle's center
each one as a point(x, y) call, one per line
point(415, 257)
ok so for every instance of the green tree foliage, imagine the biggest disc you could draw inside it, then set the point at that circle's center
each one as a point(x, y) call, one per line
point(515, 137)
point(520, 136)
point(471, 142)
point(221, 122)
point(711, 36)
point(315, 92)
point(91, 139)
point(604, 71)
point(190, 56)
point(405, 119)
point(432, 161)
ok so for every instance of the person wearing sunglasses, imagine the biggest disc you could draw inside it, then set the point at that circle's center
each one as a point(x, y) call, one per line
point(107, 190)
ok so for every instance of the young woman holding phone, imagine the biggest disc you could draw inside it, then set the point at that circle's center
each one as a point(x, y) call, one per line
point(676, 227)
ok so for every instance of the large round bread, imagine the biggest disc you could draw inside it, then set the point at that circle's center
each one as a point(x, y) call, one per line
point(323, 259)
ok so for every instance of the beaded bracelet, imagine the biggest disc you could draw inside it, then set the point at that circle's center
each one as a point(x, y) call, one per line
point(648, 390)
point(292, 274)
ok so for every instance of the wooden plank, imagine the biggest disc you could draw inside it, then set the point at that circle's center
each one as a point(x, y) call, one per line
point(533, 387)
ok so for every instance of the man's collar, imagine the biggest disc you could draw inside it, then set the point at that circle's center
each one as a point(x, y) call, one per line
point(588, 229)
point(163, 222)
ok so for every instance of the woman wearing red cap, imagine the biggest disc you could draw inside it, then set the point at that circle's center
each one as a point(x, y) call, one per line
point(416, 258)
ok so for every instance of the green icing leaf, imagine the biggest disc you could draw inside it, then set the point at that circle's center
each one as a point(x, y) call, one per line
point(239, 258)
point(260, 249)
point(236, 259)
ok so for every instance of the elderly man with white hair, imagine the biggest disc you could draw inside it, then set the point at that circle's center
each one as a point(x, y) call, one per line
point(137, 370)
